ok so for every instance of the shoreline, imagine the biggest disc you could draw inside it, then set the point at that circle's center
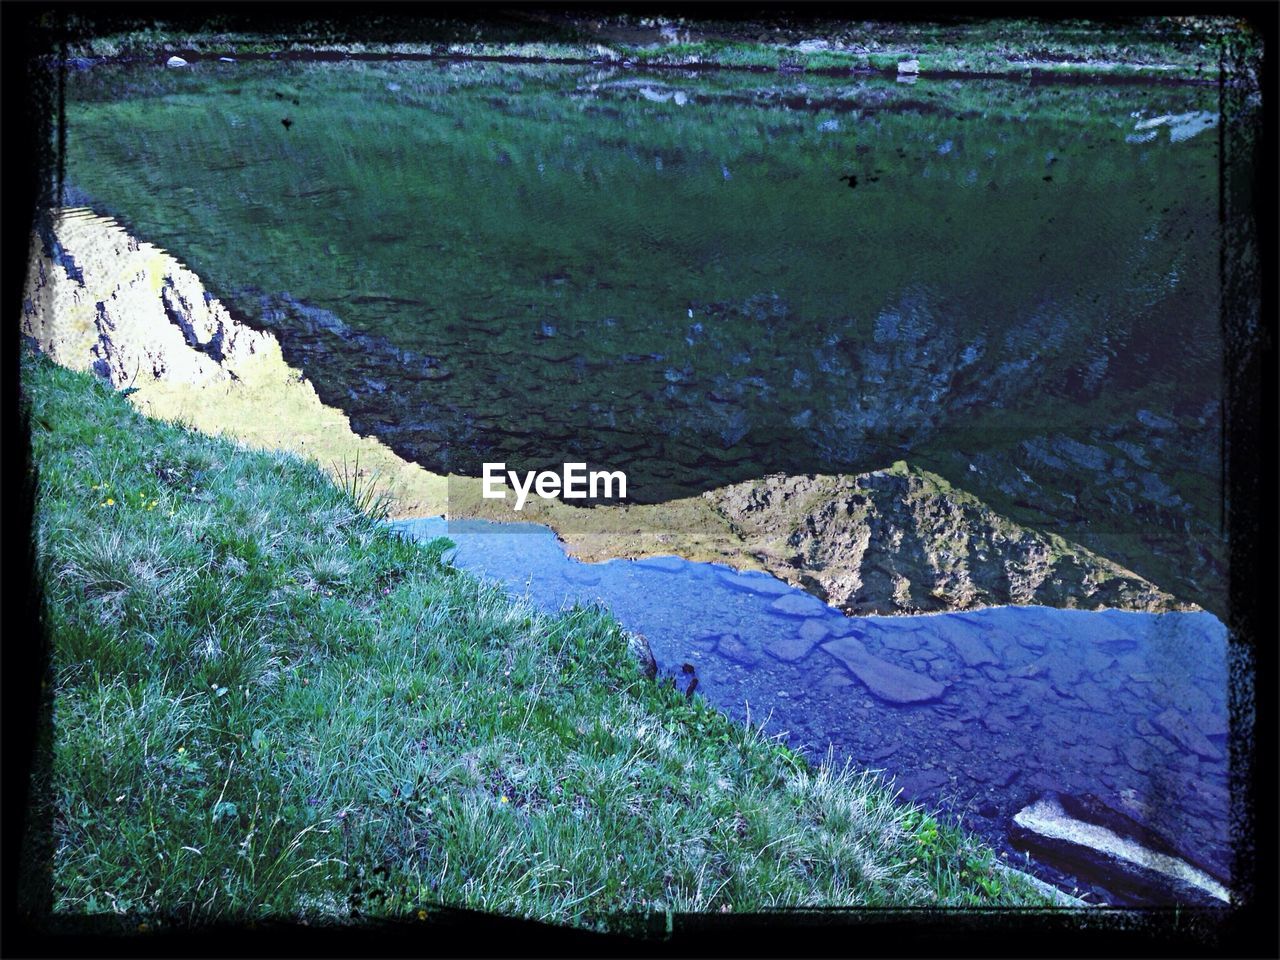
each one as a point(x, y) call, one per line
point(725, 567)
point(1046, 73)
point(1144, 50)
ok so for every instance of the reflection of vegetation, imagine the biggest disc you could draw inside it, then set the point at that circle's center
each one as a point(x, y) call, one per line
point(1159, 47)
point(545, 261)
point(266, 705)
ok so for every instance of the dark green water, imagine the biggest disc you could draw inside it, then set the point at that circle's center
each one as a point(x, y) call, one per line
point(666, 274)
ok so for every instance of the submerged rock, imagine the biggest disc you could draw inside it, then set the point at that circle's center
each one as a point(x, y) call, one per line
point(734, 649)
point(788, 649)
point(1174, 725)
point(799, 605)
point(890, 683)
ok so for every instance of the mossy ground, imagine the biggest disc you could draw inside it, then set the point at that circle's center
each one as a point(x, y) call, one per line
point(265, 704)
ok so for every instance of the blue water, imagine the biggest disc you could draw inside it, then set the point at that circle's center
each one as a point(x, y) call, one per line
point(975, 713)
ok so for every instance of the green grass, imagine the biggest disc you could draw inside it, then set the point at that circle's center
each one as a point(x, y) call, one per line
point(265, 704)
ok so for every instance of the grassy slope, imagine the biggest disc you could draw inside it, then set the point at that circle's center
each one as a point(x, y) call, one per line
point(267, 704)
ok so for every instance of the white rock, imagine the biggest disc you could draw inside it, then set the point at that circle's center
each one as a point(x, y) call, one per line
point(1049, 828)
point(175, 62)
point(909, 66)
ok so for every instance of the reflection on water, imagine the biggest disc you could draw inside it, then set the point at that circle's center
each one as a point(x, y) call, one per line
point(978, 713)
point(700, 279)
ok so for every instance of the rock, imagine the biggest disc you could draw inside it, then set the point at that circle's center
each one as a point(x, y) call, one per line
point(734, 649)
point(638, 645)
point(833, 684)
point(908, 66)
point(1178, 729)
point(1061, 670)
point(1214, 723)
point(844, 627)
point(175, 62)
point(707, 642)
point(758, 583)
point(1089, 808)
point(1097, 662)
point(799, 605)
point(972, 649)
point(1112, 854)
point(902, 642)
point(812, 631)
point(1095, 696)
point(890, 683)
point(995, 723)
point(1155, 421)
point(881, 752)
point(788, 649)
point(918, 783)
point(942, 669)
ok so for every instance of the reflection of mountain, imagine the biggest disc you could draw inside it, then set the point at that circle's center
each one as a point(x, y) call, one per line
point(507, 263)
point(905, 541)
point(1102, 470)
point(891, 541)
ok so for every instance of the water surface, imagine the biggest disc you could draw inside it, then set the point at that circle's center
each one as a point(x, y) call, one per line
point(1020, 700)
point(672, 275)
